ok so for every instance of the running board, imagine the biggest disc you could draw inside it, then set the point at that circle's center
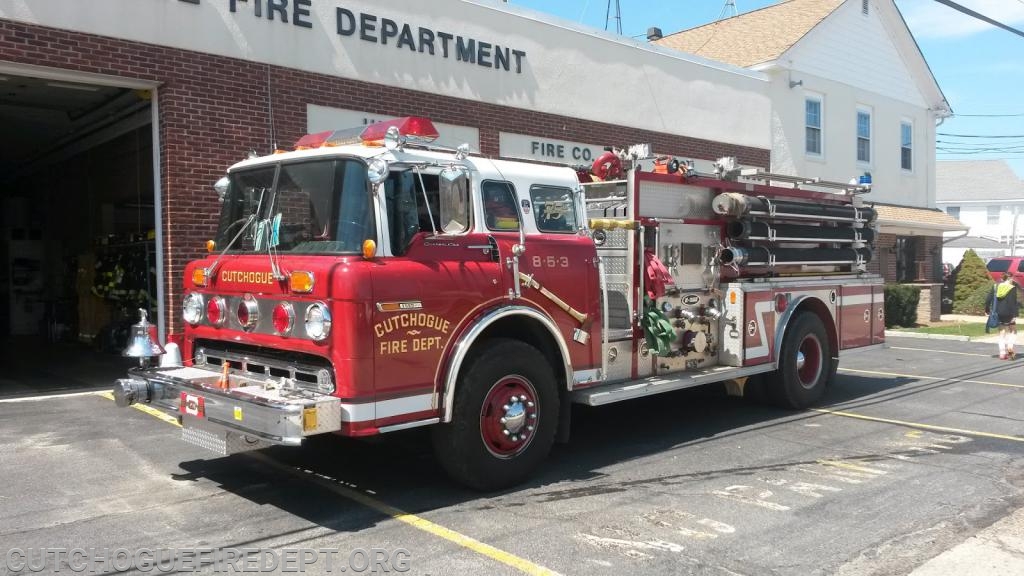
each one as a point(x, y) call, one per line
point(618, 391)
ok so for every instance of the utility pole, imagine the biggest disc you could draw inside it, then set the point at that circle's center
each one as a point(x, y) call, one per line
point(618, 16)
point(1013, 232)
point(729, 10)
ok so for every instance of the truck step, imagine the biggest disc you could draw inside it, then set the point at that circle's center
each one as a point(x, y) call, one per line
point(624, 390)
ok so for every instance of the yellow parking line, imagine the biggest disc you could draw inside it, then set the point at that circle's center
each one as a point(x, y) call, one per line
point(919, 425)
point(940, 351)
point(915, 376)
point(413, 520)
point(147, 409)
point(46, 397)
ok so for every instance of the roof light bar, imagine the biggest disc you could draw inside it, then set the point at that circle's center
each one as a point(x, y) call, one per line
point(415, 129)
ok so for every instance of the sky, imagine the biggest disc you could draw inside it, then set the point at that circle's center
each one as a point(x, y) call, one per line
point(979, 67)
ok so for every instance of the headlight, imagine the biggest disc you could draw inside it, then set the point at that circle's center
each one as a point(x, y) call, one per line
point(192, 308)
point(318, 321)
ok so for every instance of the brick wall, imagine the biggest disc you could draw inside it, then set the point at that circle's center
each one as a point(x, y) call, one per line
point(928, 247)
point(884, 262)
point(215, 109)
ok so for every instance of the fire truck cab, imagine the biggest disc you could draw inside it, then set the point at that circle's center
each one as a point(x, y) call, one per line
point(366, 283)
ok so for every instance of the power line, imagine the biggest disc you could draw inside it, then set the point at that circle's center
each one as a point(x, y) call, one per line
point(990, 115)
point(980, 135)
point(981, 17)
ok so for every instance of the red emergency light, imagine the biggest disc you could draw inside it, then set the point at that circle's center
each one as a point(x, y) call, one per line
point(413, 128)
point(313, 140)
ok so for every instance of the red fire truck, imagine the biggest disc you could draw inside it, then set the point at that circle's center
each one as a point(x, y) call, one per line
point(369, 282)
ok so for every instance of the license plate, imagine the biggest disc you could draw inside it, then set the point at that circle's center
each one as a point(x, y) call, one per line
point(192, 405)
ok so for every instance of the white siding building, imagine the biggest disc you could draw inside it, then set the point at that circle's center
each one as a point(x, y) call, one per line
point(988, 197)
point(851, 94)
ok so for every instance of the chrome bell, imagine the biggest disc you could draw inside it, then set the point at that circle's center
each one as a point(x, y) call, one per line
point(143, 342)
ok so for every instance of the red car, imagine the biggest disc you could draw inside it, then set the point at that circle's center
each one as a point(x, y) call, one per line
point(1012, 264)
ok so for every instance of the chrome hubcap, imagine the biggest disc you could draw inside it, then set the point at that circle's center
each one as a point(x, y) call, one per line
point(515, 415)
point(800, 360)
point(509, 417)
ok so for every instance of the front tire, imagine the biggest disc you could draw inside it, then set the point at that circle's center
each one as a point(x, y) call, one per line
point(806, 365)
point(504, 417)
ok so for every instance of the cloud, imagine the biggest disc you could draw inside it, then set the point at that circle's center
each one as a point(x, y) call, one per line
point(929, 19)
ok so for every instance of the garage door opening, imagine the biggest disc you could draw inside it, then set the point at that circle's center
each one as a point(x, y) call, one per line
point(78, 250)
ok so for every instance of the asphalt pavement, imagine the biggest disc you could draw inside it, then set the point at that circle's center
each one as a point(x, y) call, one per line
point(915, 455)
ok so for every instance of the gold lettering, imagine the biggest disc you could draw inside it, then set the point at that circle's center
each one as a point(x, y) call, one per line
point(249, 277)
point(410, 321)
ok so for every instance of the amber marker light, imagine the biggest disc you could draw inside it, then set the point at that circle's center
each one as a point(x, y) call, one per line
point(199, 277)
point(211, 245)
point(369, 248)
point(301, 282)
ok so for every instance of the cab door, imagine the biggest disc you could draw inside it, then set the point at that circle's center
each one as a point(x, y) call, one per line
point(435, 279)
point(556, 269)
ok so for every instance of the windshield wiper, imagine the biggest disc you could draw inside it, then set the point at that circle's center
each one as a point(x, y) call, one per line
point(212, 270)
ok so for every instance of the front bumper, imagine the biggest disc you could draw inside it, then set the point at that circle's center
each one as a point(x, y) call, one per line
point(253, 413)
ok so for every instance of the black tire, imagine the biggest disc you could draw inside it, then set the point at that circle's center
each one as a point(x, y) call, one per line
point(473, 448)
point(798, 385)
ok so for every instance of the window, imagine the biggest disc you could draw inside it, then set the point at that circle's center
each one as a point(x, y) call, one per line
point(500, 211)
point(906, 145)
point(998, 265)
point(863, 136)
point(906, 259)
point(812, 144)
point(953, 211)
point(408, 210)
point(993, 215)
point(553, 209)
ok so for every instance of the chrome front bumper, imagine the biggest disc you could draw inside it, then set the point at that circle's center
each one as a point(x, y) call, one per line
point(253, 413)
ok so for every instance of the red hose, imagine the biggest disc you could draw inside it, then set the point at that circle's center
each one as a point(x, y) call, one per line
point(608, 166)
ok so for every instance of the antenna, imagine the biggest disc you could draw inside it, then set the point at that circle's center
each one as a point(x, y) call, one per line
point(729, 10)
point(618, 16)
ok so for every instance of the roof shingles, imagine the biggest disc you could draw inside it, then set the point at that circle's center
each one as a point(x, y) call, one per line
point(754, 37)
point(960, 180)
point(926, 218)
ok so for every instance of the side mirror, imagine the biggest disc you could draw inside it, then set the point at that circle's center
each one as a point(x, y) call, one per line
point(454, 200)
point(221, 186)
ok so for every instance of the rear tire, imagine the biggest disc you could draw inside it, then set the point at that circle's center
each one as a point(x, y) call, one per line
point(504, 417)
point(806, 365)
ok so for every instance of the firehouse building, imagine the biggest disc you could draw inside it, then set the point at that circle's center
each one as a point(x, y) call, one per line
point(118, 116)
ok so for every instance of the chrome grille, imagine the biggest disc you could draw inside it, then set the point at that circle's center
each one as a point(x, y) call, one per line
point(311, 377)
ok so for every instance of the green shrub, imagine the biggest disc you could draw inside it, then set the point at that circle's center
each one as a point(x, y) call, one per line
point(970, 280)
point(901, 305)
point(975, 303)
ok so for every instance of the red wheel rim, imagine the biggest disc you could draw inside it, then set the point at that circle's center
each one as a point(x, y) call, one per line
point(809, 361)
point(508, 417)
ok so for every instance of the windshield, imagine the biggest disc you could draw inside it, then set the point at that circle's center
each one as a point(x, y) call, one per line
point(314, 207)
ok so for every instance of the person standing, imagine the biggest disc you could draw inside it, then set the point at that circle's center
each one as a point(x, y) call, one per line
point(1004, 298)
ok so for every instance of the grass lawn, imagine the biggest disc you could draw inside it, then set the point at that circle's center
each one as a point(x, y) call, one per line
point(958, 328)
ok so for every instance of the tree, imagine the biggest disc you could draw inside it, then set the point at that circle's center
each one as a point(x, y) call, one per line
point(972, 285)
